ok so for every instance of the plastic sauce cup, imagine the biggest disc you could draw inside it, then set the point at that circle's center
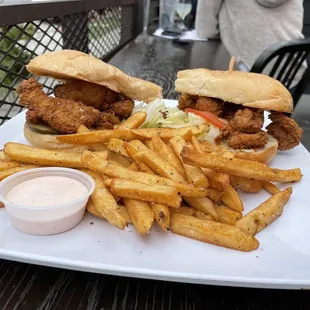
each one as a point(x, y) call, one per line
point(42, 220)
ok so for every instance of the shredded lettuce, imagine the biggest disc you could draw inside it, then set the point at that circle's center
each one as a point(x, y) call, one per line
point(158, 115)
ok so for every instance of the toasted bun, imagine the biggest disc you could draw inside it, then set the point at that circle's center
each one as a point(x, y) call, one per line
point(47, 141)
point(244, 88)
point(69, 64)
point(263, 155)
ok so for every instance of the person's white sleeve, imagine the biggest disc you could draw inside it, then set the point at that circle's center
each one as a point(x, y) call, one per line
point(271, 3)
point(207, 25)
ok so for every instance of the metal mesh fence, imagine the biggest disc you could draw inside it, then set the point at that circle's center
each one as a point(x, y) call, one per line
point(98, 32)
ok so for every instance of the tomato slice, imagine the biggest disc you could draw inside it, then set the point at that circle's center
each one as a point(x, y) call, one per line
point(210, 117)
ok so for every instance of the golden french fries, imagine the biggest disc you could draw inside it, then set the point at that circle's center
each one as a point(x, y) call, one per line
point(159, 165)
point(203, 204)
point(102, 154)
point(265, 213)
point(134, 121)
point(141, 215)
point(162, 215)
point(104, 202)
point(194, 174)
point(149, 144)
point(119, 159)
point(168, 133)
point(165, 151)
point(82, 128)
point(196, 144)
point(94, 162)
point(99, 147)
point(161, 194)
point(117, 146)
point(193, 212)
point(217, 180)
point(227, 215)
point(6, 173)
point(232, 199)
point(270, 188)
point(132, 151)
point(240, 167)
point(121, 210)
point(185, 210)
point(98, 136)
point(214, 194)
point(28, 154)
point(4, 165)
point(246, 185)
point(203, 216)
point(2, 156)
point(212, 232)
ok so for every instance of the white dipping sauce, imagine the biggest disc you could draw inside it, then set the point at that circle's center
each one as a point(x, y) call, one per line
point(47, 191)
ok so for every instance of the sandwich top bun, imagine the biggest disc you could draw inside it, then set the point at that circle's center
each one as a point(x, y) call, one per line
point(263, 155)
point(69, 64)
point(244, 88)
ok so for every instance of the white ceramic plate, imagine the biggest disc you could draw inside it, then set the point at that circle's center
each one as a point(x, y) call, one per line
point(281, 261)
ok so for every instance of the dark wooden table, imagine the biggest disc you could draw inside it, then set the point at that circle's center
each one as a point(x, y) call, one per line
point(30, 287)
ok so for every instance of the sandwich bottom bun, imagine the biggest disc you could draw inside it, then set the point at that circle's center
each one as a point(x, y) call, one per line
point(263, 155)
point(49, 141)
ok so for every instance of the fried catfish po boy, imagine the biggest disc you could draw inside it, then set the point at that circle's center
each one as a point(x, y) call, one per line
point(92, 93)
point(233, 102)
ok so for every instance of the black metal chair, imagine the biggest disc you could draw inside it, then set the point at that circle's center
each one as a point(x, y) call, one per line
point(289, 58)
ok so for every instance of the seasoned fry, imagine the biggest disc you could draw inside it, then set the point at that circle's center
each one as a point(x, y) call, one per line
point(104, 202)
point(265, 213)
point(270, 188)
point(212, 232)
point(162, 215)
point(165, 151)
point(204, 204)
point(94, 162)
point(141, 215)
point(214, 195)
point(168, 133)
point(121, 210)
point(217, 180)
point(6, 173)
point(98, 136)
point(4, 157)
point(149, 144)
point(133, 167)
point(184, 210)
point(227, 215)
point(102, 154)
point(119, 159)
point(232, 199)
point(196, 144)
point(194, 174)
point(246, 185)
point(138, 145)
point(134, 121)
point(132, 152)
point(159, 165)
point(4, 165)
point(240, 167)
point(117, 146)
point(99, 147)
point(193, 212)
point(82, 128)
point(150, 193)
point(28, 154)
point(203, 216)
